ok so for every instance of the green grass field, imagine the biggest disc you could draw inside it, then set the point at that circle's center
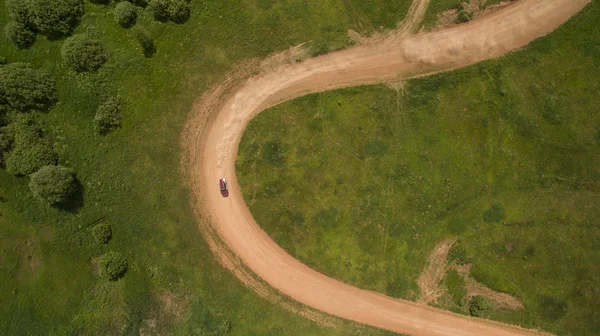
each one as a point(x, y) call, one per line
point(362, 183)
point(132, 181)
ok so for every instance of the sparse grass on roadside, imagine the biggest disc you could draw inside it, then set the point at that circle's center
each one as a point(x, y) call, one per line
point(503, 155)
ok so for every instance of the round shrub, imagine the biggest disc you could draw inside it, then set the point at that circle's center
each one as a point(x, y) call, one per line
point(53, 185)
point(18, 34)
point(56, 18)
point(113, 265)
point(83, 53)
point(108, 116)
point(125, 14)
point(25, 88)
point(479, 305)
point(160, 9)
point(179, 10)
point(102, 233)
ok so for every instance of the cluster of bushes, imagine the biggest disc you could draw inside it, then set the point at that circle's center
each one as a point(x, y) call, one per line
point(112, 266)
point(175, 10)
point(54, 19)
point(24, 149)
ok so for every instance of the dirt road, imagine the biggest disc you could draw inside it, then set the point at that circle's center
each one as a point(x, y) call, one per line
point(211, 150)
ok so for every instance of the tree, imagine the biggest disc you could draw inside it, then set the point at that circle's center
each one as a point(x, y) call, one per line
point(108, 116)
point(28, 150)
point(20, 11)
point(53, 185)
point(125, 14)
point(160, 9)
point(102, 233)
point(112, 265)
point(83, 53)
point(25, 88)
point(56, 18)
point(179, 10)
point(19, 34)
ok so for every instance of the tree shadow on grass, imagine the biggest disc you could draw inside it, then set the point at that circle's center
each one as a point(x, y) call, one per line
point(75, 202)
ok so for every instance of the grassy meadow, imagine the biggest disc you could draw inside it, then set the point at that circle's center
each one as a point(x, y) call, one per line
point(131, 178)
point(362, 183)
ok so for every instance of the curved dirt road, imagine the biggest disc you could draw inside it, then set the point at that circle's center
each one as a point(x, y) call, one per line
point(215, 144)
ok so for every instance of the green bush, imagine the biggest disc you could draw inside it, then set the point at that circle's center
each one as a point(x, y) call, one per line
point(141, 3)
point(112, 266)
point(3, 60)
point(83, 53)
point(494, 214)
point(125, 14)
point(102, 233)
point(160, 9)
point(20, 11)
point(179, 10)
point(108, 116)
point(29, 151)
point(480, 305)
point(56, 18)
point(53, 185)
point(25, 88)
point(19, 34)
point(146, 42)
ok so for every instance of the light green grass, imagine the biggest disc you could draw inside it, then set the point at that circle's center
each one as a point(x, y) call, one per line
point(131, 178)
point(503, 155)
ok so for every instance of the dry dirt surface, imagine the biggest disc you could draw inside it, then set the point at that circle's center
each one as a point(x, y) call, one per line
point(215, 128)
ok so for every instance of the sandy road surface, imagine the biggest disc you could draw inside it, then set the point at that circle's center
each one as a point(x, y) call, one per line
point(212, 149)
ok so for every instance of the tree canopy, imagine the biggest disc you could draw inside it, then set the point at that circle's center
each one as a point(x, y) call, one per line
point(25, 88)
point(83, 53)
point(53, 185)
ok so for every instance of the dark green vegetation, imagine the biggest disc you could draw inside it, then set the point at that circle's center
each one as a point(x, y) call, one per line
point(129, 178)
point(362, 183)
point(125, 14)
point(479, 306)
point(112, 265)
point(108, 116)
point(83, 53)
point(53, 185)
point(102, 233)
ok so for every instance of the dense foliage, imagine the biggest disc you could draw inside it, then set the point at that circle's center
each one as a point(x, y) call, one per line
point(84, 53)
point(19, 34)
point(480, 305)
point(174, 10)
point(125, 14)
point(28, 149)
point(53, 185)
point(56, 18)
point(102, 233)
point(108, 116)
point(112, 265)
point(25, 88)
